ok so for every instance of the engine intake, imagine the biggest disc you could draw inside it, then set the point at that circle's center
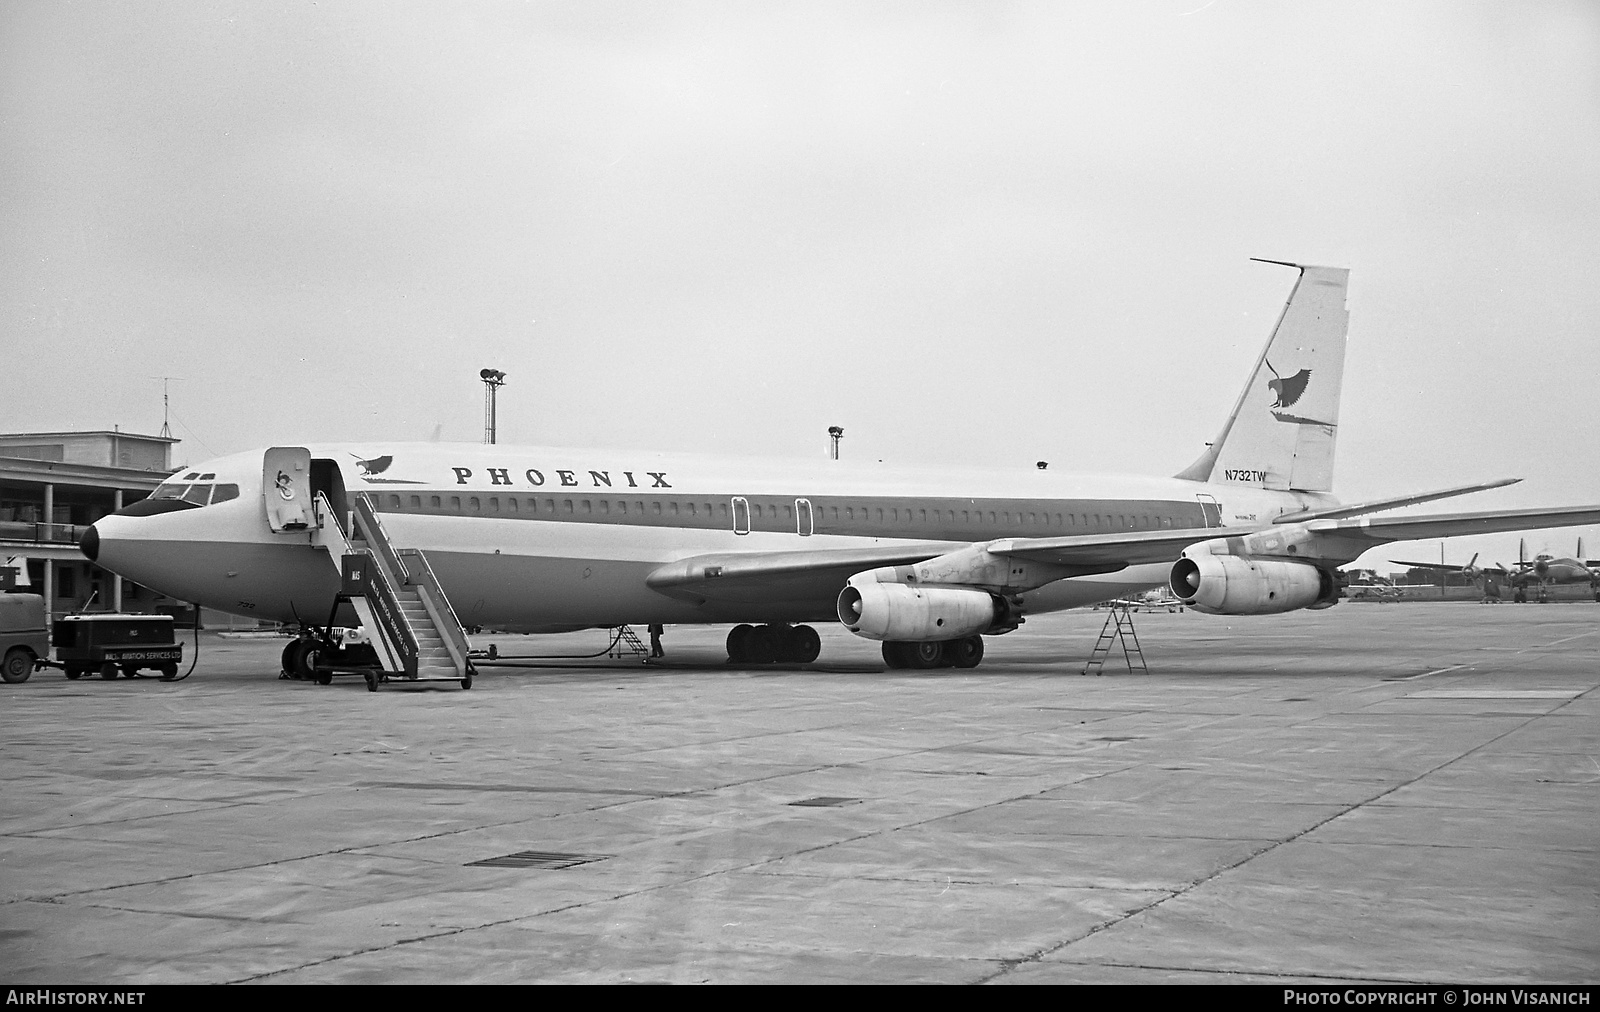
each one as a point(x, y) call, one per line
point(1233, 585)
point(894, 611)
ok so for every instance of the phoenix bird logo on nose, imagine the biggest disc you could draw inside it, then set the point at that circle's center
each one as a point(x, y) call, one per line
point(1288, 390)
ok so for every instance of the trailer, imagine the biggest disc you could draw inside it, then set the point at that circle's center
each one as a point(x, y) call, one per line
point(115, 644)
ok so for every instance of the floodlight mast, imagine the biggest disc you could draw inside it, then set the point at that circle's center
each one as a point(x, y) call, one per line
point(837, 434)
point(493, 380)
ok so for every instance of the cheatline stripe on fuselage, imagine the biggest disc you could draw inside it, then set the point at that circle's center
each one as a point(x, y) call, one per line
point(917, 517)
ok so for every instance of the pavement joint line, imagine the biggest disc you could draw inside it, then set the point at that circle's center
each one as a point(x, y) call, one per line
point(217, 806)
point(232, 918)
point(1426, 674)
point(57, 897)
point(1037, 957)
point(1340, 978)
point(1564, 639)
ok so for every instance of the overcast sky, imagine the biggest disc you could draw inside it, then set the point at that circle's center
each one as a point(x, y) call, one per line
point(986, 233)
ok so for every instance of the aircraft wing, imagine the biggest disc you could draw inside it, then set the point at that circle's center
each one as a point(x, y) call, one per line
point(807, 575)
point(1360, 533)
point(810, 575)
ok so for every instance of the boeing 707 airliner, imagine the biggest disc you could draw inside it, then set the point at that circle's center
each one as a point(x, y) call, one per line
point(527, 538)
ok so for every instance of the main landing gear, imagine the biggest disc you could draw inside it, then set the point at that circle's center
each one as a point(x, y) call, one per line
point(962, 653)
point(769, 644)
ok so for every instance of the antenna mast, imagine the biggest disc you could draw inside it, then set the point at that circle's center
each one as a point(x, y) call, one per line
point(166, 429)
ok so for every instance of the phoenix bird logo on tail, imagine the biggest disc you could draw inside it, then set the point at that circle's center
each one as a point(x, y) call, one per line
point(1288, 390)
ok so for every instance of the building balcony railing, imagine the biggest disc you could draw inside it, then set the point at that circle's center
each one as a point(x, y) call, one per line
point(41, 533)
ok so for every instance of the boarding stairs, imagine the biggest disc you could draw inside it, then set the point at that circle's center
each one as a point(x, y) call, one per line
point(1118, 628)
point(627, 642)
point(414, 630)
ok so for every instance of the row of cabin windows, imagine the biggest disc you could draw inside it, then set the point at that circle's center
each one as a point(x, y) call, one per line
point(515, 506)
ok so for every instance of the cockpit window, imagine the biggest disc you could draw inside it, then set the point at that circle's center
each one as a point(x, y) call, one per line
point(191, 476)
point(207, 477)
point(199, 494)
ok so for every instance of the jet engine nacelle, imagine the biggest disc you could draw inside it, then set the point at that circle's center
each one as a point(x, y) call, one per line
point(1234, 585)
point(894, 611)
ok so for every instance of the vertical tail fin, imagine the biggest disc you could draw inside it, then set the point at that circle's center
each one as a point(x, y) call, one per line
point(1282, 430)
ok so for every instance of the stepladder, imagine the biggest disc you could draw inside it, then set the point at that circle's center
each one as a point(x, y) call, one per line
point(1117, 631)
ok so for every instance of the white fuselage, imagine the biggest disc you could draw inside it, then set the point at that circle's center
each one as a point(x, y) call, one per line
point(531, 538)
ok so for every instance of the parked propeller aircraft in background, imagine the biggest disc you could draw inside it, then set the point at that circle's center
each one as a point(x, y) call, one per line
point(927, 561)
point(1544, 572)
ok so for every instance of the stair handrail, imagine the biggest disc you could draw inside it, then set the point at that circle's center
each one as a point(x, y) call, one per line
point(386, 606)
point(372, 530)
point(449, 624)
point(380, 592)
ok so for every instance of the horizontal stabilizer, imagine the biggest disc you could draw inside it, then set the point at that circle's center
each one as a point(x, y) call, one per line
point(1376, 505)
point(1455, 525)
point(1443, 567)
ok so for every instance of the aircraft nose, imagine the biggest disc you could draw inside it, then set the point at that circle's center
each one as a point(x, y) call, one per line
point(89, 544)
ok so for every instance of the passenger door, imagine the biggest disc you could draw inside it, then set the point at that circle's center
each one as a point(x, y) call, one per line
point(286, 488)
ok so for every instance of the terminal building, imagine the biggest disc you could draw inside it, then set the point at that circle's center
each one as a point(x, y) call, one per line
point(53, 485)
